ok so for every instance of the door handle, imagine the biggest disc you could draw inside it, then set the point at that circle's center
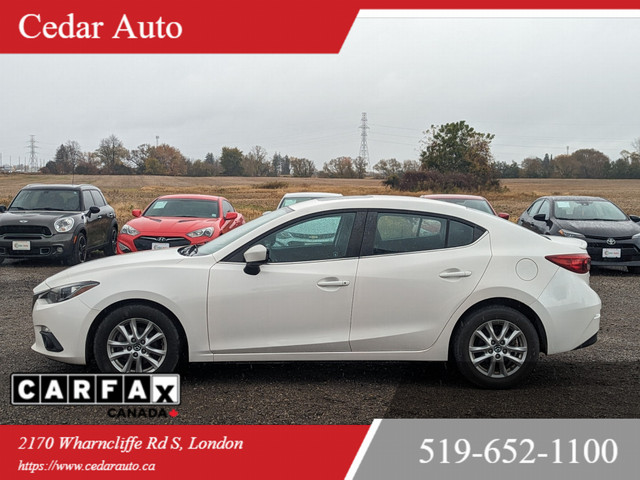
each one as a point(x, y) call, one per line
point(455, 274)
point(333, 283)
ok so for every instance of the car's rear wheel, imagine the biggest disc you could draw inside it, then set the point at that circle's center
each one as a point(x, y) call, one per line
point(79, 254)
point(137, 338)
point(496, 347)
point(110, 248)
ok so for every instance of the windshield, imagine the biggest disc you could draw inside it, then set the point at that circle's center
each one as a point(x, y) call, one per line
point(476, 204)
point(292, 200)
point(224, 240)
point(47, 199)
point(588, 210)
point(183, 207)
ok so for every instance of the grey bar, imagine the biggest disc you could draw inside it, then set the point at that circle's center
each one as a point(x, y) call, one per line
point(589, 449)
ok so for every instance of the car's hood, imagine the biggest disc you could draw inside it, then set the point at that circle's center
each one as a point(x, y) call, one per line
point(600, 228)
point(99, 268)
point(35, 217)
point(171, 225)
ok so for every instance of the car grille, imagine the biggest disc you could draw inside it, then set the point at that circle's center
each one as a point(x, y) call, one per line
point(25, 230)
point(144, 243)
point(628, 250)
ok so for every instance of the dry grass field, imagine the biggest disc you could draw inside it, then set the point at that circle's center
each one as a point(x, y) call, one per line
point(252, 196)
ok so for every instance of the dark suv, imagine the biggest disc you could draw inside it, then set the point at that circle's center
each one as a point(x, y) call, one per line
point(57, 221)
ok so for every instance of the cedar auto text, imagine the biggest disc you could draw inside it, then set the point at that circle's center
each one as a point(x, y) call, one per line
point(32, 26)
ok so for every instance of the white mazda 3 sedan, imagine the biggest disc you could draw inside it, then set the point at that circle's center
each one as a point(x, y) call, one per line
point(398, 278)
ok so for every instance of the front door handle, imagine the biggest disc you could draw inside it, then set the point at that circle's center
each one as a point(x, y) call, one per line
point(455, 274)
point(333, 283)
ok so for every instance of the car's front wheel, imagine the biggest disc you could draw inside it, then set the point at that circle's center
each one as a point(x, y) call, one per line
point(137, 338)
point(496, 347)
point(79, 253)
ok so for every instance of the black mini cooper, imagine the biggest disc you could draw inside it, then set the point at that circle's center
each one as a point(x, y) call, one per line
point(57, 221)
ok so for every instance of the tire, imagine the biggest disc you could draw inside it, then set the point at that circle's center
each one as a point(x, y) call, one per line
point(79, 254)
point(110, 248)
point(154, 348)
point(496, 347)
point(633, 270)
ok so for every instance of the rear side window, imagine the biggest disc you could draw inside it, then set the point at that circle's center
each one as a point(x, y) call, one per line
point(403, 233)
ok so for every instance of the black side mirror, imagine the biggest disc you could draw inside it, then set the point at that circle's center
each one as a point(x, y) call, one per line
point(3, 209)
point(94, 209)
point(255, 256)
point(635, 218)
point(541, 217)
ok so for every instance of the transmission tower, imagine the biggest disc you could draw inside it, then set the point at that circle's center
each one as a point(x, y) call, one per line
point(364, 149)
point(33, 160)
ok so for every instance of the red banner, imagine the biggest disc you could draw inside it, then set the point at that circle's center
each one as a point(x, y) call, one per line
point(151, 451)
point(160, 26)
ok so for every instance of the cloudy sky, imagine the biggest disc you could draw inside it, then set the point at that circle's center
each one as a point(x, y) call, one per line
point(541, 85)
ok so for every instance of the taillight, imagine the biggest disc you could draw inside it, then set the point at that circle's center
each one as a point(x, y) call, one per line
point(578, 263)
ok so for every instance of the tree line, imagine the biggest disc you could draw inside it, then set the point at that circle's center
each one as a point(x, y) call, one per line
point(453, 156)
point(113, 158)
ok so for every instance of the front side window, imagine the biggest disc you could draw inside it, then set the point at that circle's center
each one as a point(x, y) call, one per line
point(533, 209)
point(544, 208)
point(323, 237)
point(88, 199)
point(98, 199)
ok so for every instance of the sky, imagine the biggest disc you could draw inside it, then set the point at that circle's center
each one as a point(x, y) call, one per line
point(540, 85)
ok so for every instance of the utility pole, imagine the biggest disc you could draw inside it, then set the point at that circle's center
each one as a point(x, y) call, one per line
point(364, 149)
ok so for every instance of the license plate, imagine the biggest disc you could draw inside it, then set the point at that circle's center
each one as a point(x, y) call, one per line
point(159, 246)
point(611, 253)
point(22, 245)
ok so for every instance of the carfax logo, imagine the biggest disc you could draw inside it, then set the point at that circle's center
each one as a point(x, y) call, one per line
point(82, 389)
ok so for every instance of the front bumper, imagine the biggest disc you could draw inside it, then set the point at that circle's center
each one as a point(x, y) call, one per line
point(629, 251)
point(68, 323)
point(59, 246)
point(127, 243)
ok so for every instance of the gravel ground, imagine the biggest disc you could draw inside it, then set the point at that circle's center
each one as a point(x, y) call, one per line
point(602, 381)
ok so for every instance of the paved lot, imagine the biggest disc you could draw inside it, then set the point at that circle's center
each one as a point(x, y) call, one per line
point(602, 381)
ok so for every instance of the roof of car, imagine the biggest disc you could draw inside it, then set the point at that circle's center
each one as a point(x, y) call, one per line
point(437, 196)
point(59, 186)
point(311, 194)
point(191, 196)
point(574, 197)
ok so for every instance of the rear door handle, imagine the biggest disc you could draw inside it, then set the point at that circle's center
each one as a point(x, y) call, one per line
point(456, 274)
point(333, 283)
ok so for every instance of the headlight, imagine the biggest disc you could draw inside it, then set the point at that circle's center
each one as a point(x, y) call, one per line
point(129, 230)
point(63, 224)
point(202, 232)
point(568, 233)
point(636, 236)
point(66, 292)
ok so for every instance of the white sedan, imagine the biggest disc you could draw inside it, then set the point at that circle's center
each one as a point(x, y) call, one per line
point(399, 278)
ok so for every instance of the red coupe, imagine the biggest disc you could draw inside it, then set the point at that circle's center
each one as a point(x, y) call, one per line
point(178, 220)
